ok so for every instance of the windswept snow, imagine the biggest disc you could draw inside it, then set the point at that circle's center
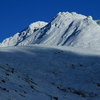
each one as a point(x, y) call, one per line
point(49, 73)
point(65, 29)
point(19, 37)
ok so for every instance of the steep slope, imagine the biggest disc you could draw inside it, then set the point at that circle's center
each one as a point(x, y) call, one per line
point(49, 73)
point(69, 29)
point(19, 37)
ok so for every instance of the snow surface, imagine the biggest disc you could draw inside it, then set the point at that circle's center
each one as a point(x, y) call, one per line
point(19, 37)
point(59, 60)
point(65, 29)
point(49, 73)
point(98, 22)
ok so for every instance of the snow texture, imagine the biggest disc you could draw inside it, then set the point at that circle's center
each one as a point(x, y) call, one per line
point(59, 60)
point(19, 37)
point(65, 29)
point(98, 22)
point(49, 73)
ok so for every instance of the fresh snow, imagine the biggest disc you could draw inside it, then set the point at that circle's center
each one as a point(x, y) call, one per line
point(19, 37)
point(49, 73)
point(65, 29)
point(59, 60)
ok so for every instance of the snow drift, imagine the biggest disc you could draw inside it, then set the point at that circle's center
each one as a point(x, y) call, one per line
point(65, 29)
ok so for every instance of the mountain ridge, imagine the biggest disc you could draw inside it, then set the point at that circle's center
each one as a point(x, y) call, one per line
point(65, 29)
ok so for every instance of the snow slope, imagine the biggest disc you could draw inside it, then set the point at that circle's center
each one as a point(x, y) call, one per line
point(65, 29)
point(19, 37)
point(49, 73)
point(59, 70)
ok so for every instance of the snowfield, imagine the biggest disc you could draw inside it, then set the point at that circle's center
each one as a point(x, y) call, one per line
point(49, 73)
point(59, 60)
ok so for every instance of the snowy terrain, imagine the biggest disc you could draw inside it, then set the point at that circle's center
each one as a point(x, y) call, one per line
point(59, 60)
point(49, 73)
point(19, 37)
point(98, 22)
point(65, 29)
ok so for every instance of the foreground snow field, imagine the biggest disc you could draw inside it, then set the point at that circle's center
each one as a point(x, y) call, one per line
point(40, 72)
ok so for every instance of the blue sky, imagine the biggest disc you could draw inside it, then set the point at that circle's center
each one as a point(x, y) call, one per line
point(16, 15)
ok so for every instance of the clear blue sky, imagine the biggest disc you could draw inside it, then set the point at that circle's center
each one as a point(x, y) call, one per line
point(16, 15)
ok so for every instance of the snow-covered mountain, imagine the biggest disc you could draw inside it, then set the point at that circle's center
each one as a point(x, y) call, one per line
point(19, 37)
point(69, 29)
point(59, 70)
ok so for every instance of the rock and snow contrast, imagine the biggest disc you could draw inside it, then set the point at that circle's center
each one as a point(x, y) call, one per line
point(59, 60)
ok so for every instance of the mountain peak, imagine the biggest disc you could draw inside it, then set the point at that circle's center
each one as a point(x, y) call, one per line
point(72, 14)
point(66, 29)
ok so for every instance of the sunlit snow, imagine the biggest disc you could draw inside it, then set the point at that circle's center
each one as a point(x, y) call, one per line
point(65, 29)
point(59, 60)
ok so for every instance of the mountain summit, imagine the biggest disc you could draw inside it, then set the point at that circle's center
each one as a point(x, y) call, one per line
point(65, 29)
